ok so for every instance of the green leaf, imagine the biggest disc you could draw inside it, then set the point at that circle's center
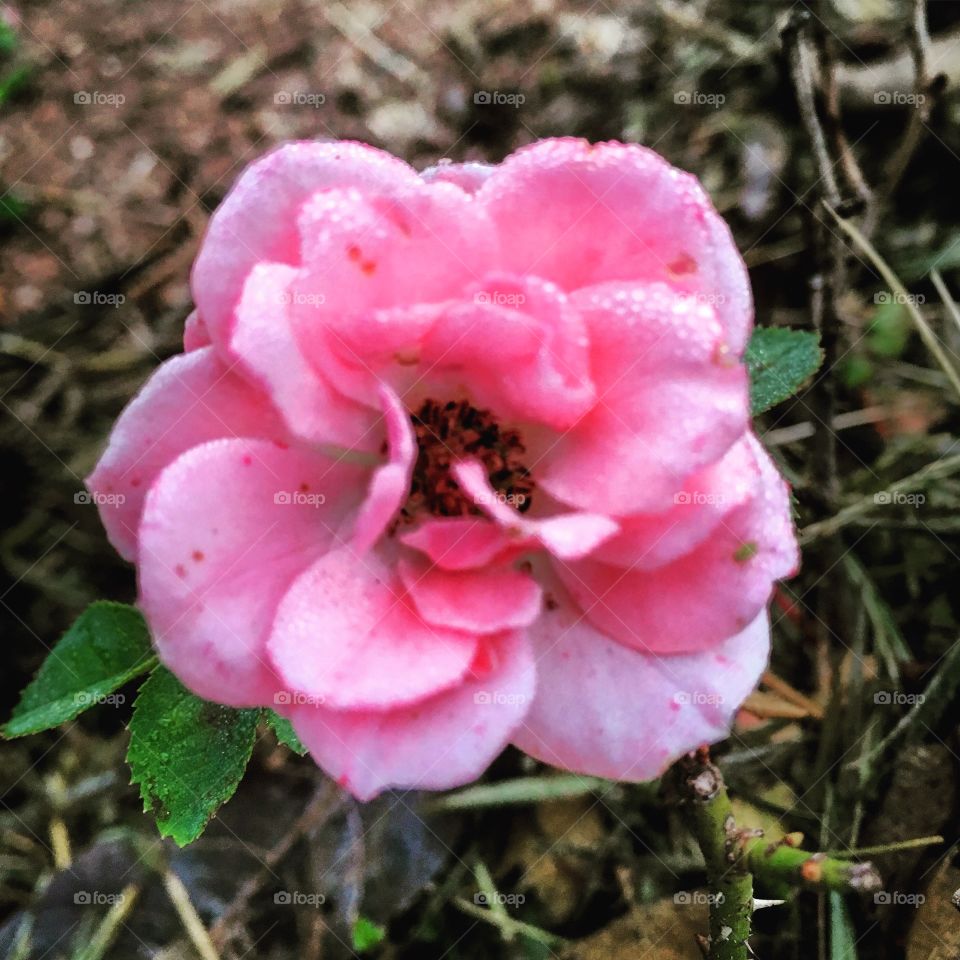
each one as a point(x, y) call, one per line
point(107, 646)
point(780, 361)
point(367, 934)
point(283, 729)
point(843, 938)
point(186, 754)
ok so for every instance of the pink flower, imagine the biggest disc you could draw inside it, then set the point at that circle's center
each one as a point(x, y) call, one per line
point(460, 459)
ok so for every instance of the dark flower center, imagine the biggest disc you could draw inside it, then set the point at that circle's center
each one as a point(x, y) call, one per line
point(447, 432)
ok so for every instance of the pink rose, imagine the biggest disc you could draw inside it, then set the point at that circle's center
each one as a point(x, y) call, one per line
point(460, 459)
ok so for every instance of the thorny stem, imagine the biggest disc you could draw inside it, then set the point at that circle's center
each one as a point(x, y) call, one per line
point(708, 810)
point(734, 856)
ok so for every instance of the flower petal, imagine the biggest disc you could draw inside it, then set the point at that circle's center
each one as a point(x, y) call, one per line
point(390, 485)
point(607, 711)
point(477, 601)
point(580, 213)
point(439, 743)
point(568, 536)
point(257, 221)
point(671, 399)
point(695, 601)
point(347, 634)
point(459, 543)
point(517, 346)
point(467, 176)
point(188, 400)
point(262, 343)
point(226, 528)
point(650, 540)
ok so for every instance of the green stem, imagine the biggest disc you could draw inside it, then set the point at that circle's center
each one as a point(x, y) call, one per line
point(731, 886)
point(782, 865)
point(735, 856)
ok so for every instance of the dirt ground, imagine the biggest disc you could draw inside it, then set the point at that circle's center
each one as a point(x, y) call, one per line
point(121, 128)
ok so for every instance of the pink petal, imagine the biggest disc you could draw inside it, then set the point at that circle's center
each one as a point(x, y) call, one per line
point(580, 213)
point(195, 333)
point(369, 259)
point(347, 635)
point(607, 711)
point(695, 601)
point(226, 529)
point(262, 343)
point(459, 543)
point(257, 221)
point(477, 601)
point(670, 400)
point(436, 744)
point(518, 347)
point(467, 176)
point(569, 536)
point(188, 400)
point(650, 540)
point(390, 485)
